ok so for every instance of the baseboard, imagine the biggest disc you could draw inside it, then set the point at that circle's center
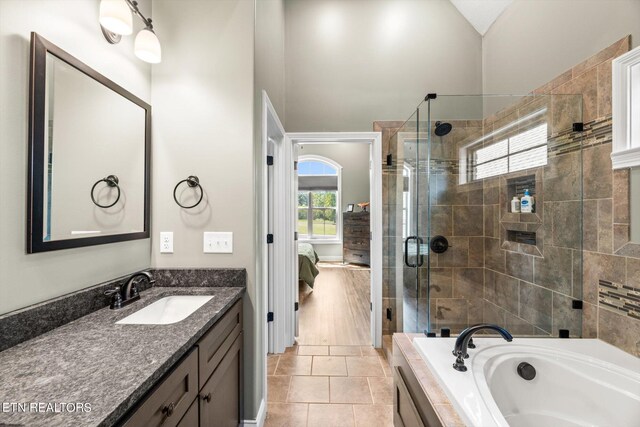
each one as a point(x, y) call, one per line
point(330, 258)
point(260, 419)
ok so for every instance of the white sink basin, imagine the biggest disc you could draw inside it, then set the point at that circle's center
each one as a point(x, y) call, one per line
point(166, 310)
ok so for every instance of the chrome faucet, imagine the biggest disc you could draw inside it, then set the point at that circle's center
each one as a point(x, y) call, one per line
point(462, 342)
point(124, 295)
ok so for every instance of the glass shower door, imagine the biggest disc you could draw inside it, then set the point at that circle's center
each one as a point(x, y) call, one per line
point(490, 262)
point(406, 257)
point(456, 252)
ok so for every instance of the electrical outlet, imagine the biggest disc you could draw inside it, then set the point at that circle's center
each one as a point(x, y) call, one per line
point(218, 243)
point(166, 242)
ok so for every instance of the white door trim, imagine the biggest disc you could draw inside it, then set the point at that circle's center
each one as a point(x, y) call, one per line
point(375, 141)
point(274, 340)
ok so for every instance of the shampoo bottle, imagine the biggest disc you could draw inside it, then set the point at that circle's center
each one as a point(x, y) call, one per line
point(526, 202)
point(515, 205)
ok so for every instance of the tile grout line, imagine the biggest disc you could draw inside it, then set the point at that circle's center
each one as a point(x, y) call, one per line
point(353, 413)
point(286, 399)
point(373, 402)
point(277, 363)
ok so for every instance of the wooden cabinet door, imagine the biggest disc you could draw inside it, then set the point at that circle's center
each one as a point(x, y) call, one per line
point(216, 343)
point(191, 418)
point(220, 400)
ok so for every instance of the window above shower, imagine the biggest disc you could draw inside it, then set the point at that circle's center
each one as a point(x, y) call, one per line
point(522, 151)
point(519, 145)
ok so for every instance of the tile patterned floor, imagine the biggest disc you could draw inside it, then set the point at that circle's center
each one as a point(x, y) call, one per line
point(329, 386)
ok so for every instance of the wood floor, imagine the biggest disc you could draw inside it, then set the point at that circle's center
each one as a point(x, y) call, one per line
point(337, 312)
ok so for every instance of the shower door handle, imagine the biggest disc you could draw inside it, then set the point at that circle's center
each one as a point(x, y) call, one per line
point(406, 252)
point(419, 243)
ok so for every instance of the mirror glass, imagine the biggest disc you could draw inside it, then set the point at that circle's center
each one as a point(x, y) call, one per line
point(89, 155)
point(92, 133)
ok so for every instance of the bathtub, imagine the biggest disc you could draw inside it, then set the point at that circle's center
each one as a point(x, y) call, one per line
point(578, 382)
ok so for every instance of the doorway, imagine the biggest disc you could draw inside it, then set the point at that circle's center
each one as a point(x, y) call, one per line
point(279, 220)
point(334, 236)
point(372, 142)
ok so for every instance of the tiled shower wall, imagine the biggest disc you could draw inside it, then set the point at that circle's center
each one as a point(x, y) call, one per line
point(611, 264)
point(530, 289)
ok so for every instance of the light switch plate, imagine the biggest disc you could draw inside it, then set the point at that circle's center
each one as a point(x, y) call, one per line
point(166, 242)
point(218, 242)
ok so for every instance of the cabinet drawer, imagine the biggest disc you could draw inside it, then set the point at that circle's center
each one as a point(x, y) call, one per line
point(215, 344)
point(171, 398)
point(356, 256)
point(191, 418)
point(356, 230)
point(220, 396)
point(359, 244)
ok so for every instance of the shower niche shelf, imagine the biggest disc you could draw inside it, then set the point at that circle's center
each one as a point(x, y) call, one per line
point(522, 232)
point(515, 187)
point(523, 237)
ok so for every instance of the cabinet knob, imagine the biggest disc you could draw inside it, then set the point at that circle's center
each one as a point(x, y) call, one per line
point(207, 397)
point(168, 409)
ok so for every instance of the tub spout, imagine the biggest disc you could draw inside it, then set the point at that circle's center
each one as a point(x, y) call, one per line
point(462, 342)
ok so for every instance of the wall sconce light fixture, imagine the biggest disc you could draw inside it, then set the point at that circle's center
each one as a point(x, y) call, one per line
point(116, 20)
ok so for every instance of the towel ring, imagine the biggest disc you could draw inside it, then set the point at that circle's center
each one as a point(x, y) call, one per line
point(112, 181)
point(192, 181)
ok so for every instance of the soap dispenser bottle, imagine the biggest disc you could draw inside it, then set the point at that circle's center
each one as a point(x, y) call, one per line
point(526, 202)
point(515, 205)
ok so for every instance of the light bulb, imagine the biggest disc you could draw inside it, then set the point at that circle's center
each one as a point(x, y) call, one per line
point(115, 16)
point(147, 46)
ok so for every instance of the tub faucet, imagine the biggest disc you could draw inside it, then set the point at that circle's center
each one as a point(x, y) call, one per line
point(462, 342)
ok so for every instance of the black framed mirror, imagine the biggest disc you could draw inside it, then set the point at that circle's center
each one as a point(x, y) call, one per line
point(89, 155)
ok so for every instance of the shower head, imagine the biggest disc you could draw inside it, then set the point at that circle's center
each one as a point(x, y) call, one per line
point(443, 129)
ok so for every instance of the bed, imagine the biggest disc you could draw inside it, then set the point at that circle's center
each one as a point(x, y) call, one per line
point(307, 260)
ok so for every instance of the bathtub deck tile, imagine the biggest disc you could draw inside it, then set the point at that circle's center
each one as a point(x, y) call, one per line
point(449, 416)
point(435, 394)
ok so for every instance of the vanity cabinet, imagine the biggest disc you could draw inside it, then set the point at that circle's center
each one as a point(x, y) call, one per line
point(171, 398)
point(219, 398)
point(191, 417)
point(204, 388)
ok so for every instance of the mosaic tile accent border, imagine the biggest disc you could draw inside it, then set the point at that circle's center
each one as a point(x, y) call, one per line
point(596, 132)
point(622, 299)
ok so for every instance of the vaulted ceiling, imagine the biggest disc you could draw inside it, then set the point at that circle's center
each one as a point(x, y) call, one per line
point(481, 13)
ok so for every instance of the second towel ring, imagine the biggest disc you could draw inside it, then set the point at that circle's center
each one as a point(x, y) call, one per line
point(192, 181)
point(112, 181)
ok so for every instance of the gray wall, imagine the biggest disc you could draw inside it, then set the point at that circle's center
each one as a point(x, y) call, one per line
point(354, 159)
point(269, 55)
point(268, 76)
point(349, 63)
point(203, 94)
point(534, 41)
point(72, 25)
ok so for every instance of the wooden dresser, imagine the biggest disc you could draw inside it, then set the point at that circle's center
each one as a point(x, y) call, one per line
point(356, 238)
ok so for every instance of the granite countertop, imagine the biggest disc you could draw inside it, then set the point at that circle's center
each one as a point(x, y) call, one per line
point(94, 361)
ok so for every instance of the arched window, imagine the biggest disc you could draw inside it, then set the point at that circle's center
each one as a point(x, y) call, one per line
point(319, 217)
